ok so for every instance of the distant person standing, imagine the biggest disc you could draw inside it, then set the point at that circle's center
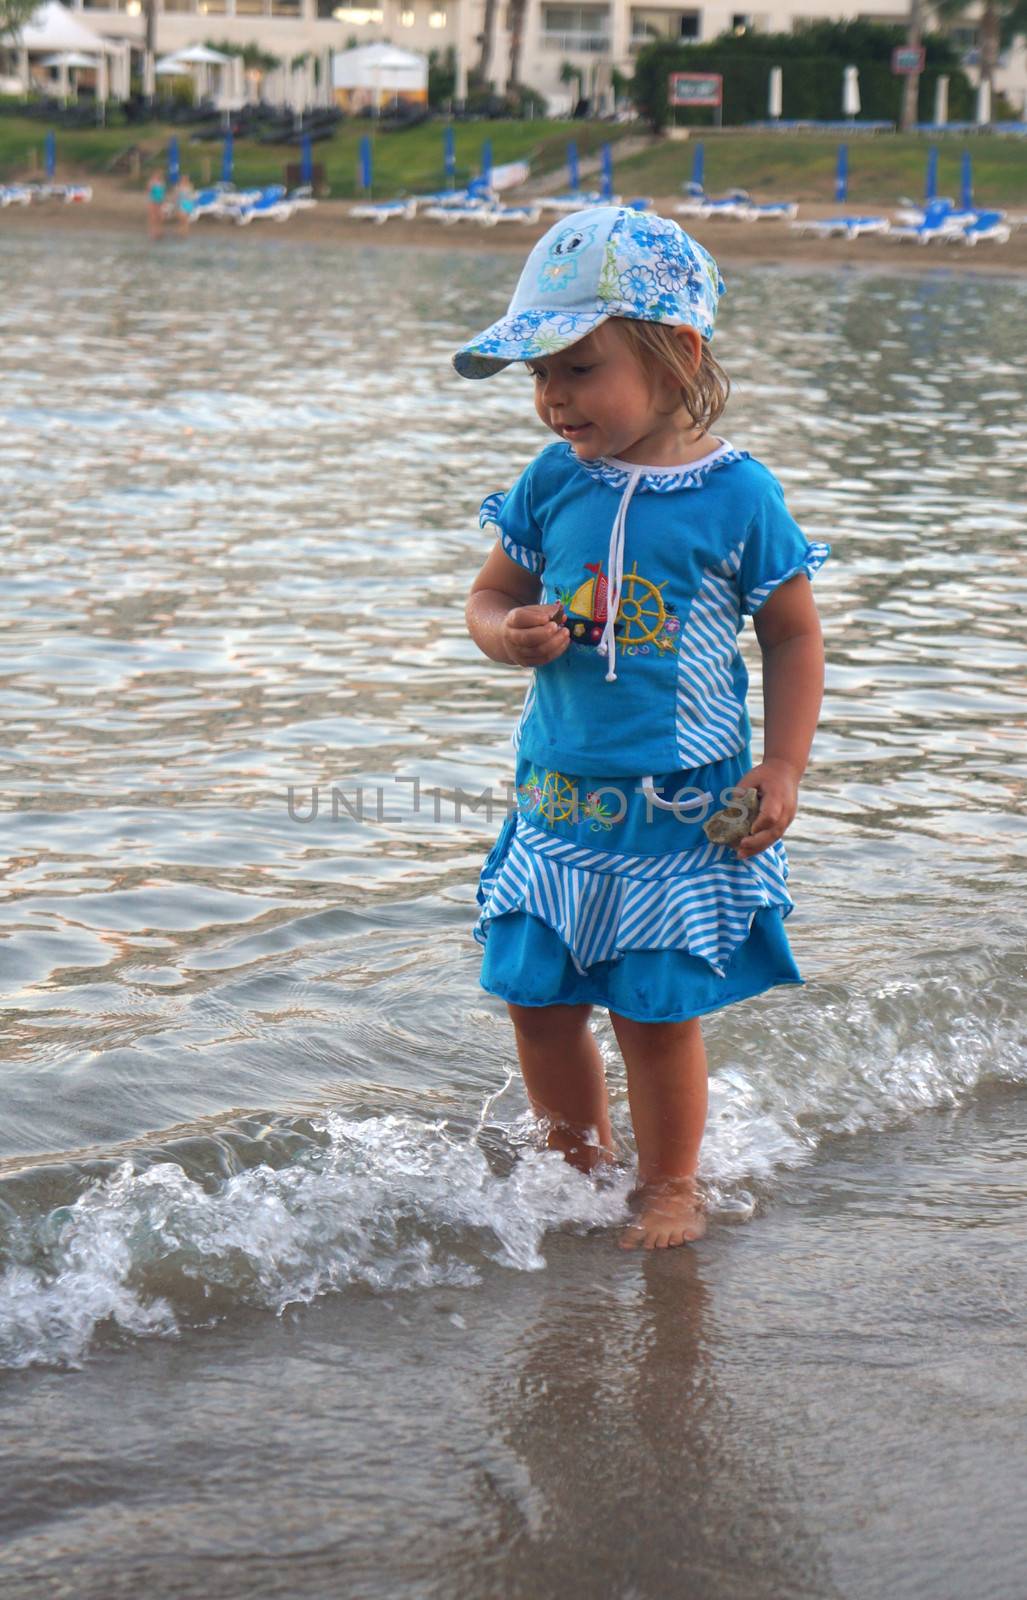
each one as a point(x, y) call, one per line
point(155, 206)
point(185, 202)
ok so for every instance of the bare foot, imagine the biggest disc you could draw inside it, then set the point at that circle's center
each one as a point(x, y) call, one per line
point(671, 1212)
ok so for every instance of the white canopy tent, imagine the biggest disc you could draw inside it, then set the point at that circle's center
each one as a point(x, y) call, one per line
point(70, 58)
point(380, 69)
point(209, 69)
point(55, 32)
point(200, 55)
point(53, 27)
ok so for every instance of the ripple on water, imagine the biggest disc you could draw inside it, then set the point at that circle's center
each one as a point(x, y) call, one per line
point(239, 534)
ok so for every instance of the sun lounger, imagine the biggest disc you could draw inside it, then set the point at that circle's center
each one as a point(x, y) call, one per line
point(738, 208)
point(574, 200)
point(270, 205)
point(843, 227)
point(471, 211)
point(911, 213)
point(301, 199)
point(380, 211)
point(769, 210)
point(986, 225)
point(939, 221)
point(737, 205)
point(206, 203)
point(493, 214)
point(231, 201)
point(695, 207)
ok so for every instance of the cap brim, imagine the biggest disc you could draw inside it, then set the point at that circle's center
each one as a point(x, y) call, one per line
point(526, 336)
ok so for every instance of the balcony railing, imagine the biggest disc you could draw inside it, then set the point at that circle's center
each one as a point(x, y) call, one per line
point(637, 40)
point(584, 43)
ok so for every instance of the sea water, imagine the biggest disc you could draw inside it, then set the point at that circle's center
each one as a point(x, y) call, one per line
point(292, 1301)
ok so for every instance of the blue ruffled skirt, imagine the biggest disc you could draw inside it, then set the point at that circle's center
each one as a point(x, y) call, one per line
point(593, 895)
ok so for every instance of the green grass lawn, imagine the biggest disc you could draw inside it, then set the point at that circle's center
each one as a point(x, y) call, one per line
point(775, 166)
point(409, 162)
point(787, 166)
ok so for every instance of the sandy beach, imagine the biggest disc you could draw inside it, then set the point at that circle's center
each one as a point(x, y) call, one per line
point(113, 207)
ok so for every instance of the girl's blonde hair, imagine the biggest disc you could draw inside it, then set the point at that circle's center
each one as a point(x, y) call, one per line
point(704, 389)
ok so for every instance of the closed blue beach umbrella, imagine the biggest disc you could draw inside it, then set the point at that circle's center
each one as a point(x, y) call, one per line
point(841, 173)
point(306, 160)
point(449, 155)
point(50, 153)
point(573, 170)
point(486, 163)
point(606, 172)
point(365, 163)
point(698, 165)
point(174, 168)
point(931, 180)
point(967, 192)
point(227, 157)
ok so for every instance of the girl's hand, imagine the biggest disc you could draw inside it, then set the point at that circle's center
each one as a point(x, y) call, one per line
point(778, 785)
point(535, 635)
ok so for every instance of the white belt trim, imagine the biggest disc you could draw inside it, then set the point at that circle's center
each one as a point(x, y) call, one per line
point(677, 806)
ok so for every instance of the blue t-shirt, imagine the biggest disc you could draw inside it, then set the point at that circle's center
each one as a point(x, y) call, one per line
point(704, 546)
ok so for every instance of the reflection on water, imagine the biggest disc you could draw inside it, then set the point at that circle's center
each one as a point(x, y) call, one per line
point(240, 518)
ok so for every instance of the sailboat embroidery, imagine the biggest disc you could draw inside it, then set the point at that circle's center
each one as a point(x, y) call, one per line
point(645, 620)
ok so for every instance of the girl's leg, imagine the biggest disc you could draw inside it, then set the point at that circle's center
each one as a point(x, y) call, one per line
point(565, 1079)
point(667, 1093)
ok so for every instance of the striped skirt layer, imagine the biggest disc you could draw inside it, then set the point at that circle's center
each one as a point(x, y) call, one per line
point(594, 894)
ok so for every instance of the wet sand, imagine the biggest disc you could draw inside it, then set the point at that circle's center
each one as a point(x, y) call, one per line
point(823, 1404)
point(732, 243)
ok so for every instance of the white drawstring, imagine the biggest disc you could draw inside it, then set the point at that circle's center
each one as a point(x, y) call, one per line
point(653, 799)
point(607, 645)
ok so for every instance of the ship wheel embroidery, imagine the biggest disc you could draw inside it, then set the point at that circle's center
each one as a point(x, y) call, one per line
point(553, 798)
point(644, 618)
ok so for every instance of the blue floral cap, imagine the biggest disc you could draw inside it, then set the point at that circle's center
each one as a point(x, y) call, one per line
point(602, 262)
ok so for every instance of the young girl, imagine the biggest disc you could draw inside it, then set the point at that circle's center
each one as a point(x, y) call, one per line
point(155, 205)
point(629, 553)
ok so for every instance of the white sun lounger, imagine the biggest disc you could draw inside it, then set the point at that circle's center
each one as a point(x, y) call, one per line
point(573, 200)
point(381, 211)
point(471, 211)
point(736, 205)
point(526, 213)
point(768, 210)
point(274, 207)
point(843, 227)
point(939, 221)
point(986, 225)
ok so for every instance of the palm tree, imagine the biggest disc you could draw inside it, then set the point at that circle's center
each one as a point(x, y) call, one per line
point(13, 13)
point(999, 23)
point(488, 28)
point(569, 73)
point(516, 14)
point(150, 16)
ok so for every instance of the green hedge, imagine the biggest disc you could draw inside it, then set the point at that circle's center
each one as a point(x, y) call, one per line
point(812, 62)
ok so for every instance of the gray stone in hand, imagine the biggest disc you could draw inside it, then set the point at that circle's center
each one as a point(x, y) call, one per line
point(732, 825)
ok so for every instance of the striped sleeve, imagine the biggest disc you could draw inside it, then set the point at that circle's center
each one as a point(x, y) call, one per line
point(519, 533)
point(776, 549)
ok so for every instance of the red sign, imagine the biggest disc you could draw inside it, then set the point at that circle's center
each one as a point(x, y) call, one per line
point(696, 89)
point(907, 61)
